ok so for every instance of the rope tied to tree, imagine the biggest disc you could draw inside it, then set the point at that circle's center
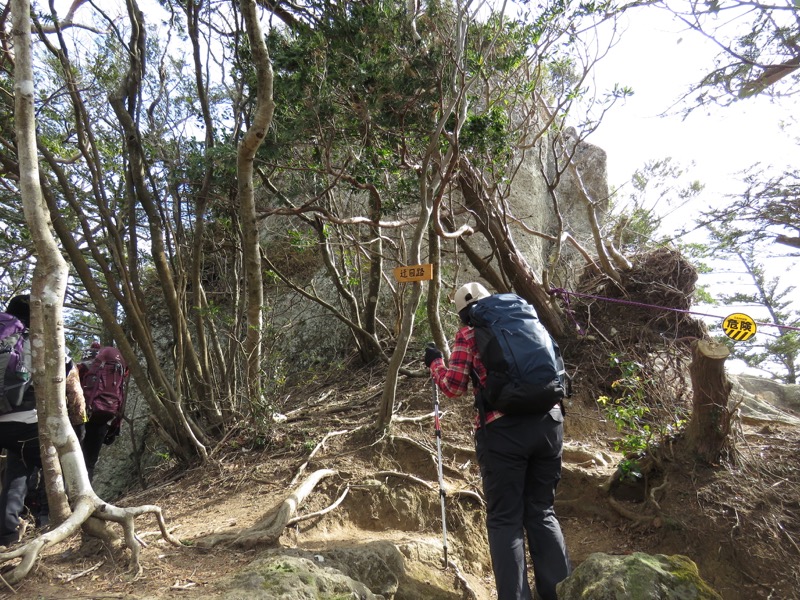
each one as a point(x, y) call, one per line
point(565, 295)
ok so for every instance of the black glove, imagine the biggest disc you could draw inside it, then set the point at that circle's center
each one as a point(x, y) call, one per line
point(431, 354)
point(113, 431)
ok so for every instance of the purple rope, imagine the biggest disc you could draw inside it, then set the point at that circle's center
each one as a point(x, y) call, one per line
point(565, 294)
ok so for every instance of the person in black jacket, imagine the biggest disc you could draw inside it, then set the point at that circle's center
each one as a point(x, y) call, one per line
point(520, 462)
point(19, 436)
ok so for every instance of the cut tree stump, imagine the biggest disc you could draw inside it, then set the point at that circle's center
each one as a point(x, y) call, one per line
point(708, 433)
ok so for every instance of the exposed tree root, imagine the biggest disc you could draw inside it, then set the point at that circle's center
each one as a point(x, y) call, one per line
point(319, 513)
point(269, 528)
point(88, 507)
point(583, 457)
point(648, 510)
point(469, 452)
point(469, 593)
point(316, 449)
point(635, 516)
point(408, 477)
point(432, 486)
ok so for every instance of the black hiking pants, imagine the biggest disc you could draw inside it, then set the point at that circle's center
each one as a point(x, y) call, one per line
point(21, 441)
point(96, 430)
point(520, 462)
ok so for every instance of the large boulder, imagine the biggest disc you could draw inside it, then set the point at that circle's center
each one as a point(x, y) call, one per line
point(377, 570)
point(281, 577)
point(760, 399)
point(636, 576)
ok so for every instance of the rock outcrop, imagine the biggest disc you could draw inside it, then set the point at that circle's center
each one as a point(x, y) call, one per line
point(765, 400)
point(636, 576)
point(372, 571)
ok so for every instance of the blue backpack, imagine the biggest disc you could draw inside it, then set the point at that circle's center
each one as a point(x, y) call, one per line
point(15, 366)
point(525, 371)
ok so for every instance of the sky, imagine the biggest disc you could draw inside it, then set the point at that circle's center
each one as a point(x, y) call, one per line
point(659, 59)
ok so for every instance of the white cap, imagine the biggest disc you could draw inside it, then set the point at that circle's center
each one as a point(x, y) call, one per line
point(469, 293)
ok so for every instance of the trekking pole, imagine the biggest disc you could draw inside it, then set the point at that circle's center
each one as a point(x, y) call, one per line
point(438, 427)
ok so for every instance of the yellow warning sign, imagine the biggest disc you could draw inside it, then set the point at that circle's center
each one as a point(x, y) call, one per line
point(739, 327)
point(414, 273)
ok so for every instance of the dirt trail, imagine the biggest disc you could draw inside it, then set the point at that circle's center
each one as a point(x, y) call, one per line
point(739, 524)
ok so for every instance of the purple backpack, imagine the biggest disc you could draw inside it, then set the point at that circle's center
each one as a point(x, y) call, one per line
point(103, 382)
point(15, 365)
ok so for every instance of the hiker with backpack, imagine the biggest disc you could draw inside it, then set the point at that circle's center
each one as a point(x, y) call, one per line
point(19, 422)
point(19, 430)
point(515, 366)
point(103, 373)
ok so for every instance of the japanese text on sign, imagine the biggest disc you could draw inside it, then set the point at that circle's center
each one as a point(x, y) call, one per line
point(414, 273)
point(739, 327)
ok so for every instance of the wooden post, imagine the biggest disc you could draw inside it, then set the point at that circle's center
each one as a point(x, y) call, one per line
point(710, 424)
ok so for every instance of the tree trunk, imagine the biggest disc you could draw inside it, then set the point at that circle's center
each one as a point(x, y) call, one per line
point(710, 425)
point(491, 223)
point(59, 444)
point(262, 118)
point(434, 291)
point(49, 278)
point(386, 409)
point(124, 101)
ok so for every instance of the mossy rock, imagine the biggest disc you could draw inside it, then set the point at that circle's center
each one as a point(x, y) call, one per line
point(291, 578)
point(636, 576)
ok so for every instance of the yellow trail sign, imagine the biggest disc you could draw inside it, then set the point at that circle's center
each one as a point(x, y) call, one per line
point(739, 327)
point(414, 273)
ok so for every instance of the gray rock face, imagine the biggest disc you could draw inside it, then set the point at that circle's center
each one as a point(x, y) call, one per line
point(317, 336)
point(760, 399)
point(117, 469)
point(637, 576)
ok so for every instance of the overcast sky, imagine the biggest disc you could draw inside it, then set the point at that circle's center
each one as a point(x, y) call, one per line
point(660, 60)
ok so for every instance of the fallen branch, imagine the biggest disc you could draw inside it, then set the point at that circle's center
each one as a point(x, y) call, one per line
point(417, 419)
point(74, 576)
point(183, 586)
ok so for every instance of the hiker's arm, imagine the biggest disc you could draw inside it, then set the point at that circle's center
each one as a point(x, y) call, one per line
point(76, 405)
point(453, 381)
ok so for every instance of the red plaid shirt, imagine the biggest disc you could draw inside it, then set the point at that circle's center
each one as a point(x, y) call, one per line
point(464, 359)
